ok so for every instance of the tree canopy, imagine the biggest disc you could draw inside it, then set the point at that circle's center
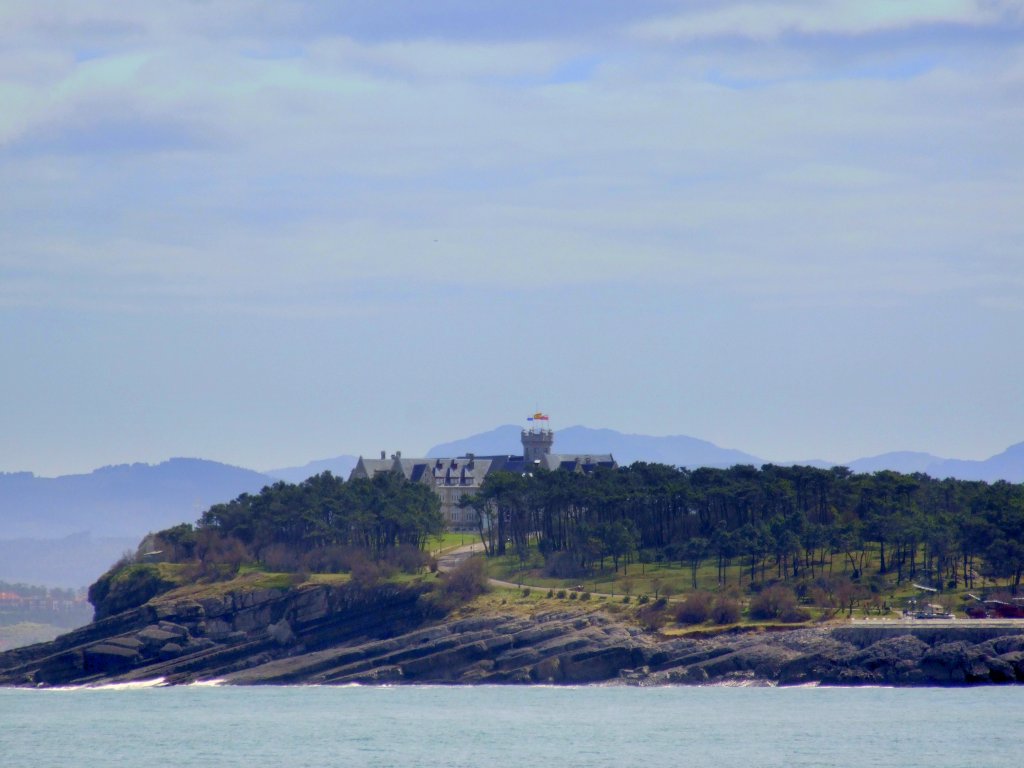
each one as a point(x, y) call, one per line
point(791, 520)
point(374, 516)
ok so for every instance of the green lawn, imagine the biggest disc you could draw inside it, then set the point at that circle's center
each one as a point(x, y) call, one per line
point(450, 540)
point(883, 597)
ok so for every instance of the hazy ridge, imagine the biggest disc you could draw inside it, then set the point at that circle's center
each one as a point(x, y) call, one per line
point(65, 531)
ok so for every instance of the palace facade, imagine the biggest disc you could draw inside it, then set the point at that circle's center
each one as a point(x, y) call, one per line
point(454, 478)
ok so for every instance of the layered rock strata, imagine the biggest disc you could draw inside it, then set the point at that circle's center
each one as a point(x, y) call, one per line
point(335, 635)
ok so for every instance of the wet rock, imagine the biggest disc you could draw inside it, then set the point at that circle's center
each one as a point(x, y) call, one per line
point(1016, 660)
point(1000, 670)
point(154, 637)
point(885, 654)
point(110, 657)
point(170, 651)
point(384, 634)
point(173, 628)
point(949, 663)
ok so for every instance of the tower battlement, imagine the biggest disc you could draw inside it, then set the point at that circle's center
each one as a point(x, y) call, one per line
point(537, 443)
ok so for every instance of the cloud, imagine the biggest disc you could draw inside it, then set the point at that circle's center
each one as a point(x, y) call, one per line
point(214, 157)
point(774, 19)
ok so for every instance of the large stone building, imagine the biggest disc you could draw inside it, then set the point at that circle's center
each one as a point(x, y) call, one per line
point(454, 478)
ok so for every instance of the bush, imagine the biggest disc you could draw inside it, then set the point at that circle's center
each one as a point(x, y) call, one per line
point(467, 580)
point(726, 610)
point(625, 599)
point(407, 558)
point(280, 557)
point(219, 555)
point(551, 593)
point(773, 603)
point(526, 592)
point(365, 572)
point(795, 615)
point(695, 609)
point(585, 596)
point(644, 599)
point(653, 616)
point(572, 595)
point(333, 559)
point(561, 594)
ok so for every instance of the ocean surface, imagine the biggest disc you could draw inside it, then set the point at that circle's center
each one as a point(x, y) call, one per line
point(512, 726)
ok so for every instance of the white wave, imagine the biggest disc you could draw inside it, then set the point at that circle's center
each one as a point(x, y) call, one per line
point(156, 682)
point(134, 685)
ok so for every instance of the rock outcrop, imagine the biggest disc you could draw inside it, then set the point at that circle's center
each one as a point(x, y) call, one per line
point(344, 634)
point(189, 639)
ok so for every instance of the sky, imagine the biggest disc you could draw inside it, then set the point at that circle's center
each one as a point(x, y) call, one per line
point(270, 232)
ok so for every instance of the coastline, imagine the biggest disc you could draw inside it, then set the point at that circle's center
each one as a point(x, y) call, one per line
point(386, 635)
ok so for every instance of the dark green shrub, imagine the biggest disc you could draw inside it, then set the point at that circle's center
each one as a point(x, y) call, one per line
point(644, 599)
point(585, 596)
point(561, 594)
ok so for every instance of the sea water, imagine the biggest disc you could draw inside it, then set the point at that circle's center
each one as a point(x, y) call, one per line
point(512, 726)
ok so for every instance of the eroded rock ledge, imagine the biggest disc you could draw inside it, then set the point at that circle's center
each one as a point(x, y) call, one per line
point(333, 635)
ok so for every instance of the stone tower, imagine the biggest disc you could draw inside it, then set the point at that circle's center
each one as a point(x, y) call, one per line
point(537, 443)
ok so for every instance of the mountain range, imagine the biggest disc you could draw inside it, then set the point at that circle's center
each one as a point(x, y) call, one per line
point(679, 450)
point(65, 531)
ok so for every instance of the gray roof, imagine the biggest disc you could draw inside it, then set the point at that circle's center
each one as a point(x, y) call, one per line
point(466, 470)
point(573, 461)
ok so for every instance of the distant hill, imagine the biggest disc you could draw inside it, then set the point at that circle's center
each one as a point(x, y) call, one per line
point(65, 531)
point(897, 461)
point(498, 441)
point(124, 500)
point(339, 466)
point(678, 450)
point(1008, 465)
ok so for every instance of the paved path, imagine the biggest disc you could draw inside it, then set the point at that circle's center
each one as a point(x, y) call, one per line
point(943, 623)
point(453, 558)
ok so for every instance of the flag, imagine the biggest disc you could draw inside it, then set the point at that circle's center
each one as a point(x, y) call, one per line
point(538, 417)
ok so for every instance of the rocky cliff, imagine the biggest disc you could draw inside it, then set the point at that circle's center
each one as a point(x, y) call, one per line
point(343, 634)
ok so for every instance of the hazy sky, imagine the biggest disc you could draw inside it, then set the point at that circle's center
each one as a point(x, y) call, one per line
point(269, 232)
